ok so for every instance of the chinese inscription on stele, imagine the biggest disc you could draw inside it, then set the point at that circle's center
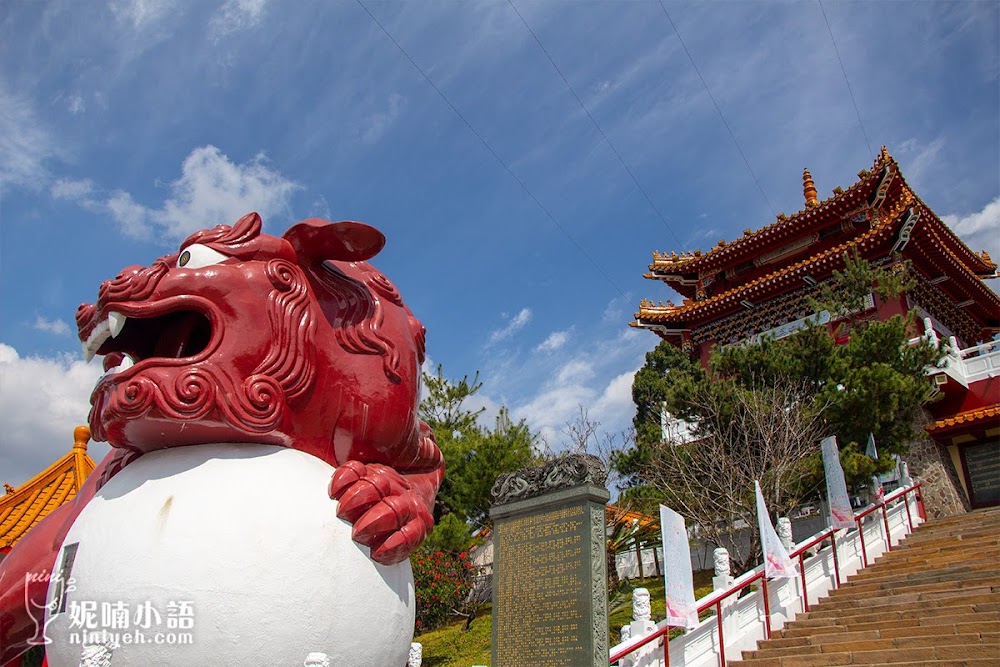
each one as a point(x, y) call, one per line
point(549, 570)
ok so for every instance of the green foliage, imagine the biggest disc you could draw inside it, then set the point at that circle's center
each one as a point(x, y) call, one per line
point(444, 407)
point(669, 376)
point(478, 457)
point(442, 582)
point(451, 535)
point(847, 292)
point(453, 645)
point(474, 455)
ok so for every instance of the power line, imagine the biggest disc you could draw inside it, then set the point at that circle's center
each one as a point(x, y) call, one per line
point(712, 97)
point(492, 152)
point(846, 80)
point(595, 123)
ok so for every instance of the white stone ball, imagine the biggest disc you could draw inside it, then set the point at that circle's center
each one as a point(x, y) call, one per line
point(248, 535)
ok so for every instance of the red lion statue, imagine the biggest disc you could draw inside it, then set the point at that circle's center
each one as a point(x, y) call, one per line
point(244, 337)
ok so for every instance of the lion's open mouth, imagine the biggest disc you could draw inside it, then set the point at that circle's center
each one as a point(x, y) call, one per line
point(127, 340)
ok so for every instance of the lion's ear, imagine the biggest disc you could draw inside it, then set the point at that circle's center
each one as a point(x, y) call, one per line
point(317, 240)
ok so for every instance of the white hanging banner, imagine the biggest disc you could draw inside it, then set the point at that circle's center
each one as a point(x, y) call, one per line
point(777, 563)
point(877, 491)
point(678, 578)
point(841, 514)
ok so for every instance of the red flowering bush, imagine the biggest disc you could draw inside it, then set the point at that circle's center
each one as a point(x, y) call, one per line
point(442, 581)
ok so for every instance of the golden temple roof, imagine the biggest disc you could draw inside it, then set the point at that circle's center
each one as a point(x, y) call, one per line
point(688, 261)
point(28, 504)
point(935, 244)
point(832, 258)
point(692, 262)
point(967, 418)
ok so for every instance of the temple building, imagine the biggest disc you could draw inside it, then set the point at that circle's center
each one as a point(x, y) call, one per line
point(760, 284)
point(25, 506)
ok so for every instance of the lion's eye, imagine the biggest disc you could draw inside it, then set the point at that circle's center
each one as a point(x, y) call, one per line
point(196, 256)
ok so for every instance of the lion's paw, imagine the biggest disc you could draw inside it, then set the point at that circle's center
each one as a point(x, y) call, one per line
point(388, 517)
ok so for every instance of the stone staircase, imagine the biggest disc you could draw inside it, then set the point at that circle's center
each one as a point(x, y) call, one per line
point(932, 600)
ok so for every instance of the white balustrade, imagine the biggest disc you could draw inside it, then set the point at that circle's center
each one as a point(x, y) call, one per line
point(747, 614)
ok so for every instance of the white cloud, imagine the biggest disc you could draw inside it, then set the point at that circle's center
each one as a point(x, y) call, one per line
point(981, 230)
point(615, 405)
point(25, 145)
point(67, 188)
point(918, 160)
point(554, 342)
point(320, 208)
point(595, 373)
point(76, 105)
point(615, 311)
point(132, 217)
point(557, 402)
point(377, 123)
point(42, 399)
point(140, 13)
point(575, 371)
point(236, 15)
point(212, 190)
point(57, 327)
point(515, 324)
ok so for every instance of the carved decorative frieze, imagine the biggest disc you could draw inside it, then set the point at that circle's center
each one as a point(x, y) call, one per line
point(935, 302)
point(563, 473)
point(599, 580)
point(770, 314)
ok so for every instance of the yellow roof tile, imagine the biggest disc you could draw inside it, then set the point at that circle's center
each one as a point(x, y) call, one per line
point(967, 417)
point(24, 507)
point(672, 261)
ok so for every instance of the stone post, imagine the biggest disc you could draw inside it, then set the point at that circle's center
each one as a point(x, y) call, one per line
point(904, 474)
point(784, 530)
point(317, 660)
point(722, 580)
point(642, 625)
point(549, 565)
point(416, 656)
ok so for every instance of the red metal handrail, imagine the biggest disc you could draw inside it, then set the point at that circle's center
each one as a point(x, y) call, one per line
point(745, 580)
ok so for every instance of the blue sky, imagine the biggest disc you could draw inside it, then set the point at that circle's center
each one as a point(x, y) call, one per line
point(125, 125)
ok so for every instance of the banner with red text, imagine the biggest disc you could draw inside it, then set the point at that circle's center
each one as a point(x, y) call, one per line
point(677, 575)
point(841, 514)
point(777, 563)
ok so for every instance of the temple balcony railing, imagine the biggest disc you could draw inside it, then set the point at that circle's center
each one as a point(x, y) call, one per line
point(964, 366)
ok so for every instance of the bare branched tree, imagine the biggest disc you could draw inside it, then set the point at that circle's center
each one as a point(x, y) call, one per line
point(764, 434)
point(585, 436)
point(624, 533)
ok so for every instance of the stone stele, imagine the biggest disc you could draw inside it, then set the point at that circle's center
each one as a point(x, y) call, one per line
point(549, 565)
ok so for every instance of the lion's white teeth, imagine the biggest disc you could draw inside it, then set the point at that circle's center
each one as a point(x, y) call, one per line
point(95, 340)
point(125, 364)
point(116, 322)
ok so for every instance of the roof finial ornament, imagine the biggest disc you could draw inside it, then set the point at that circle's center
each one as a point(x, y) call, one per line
point(883, 154)
point(81, 436)
point(8, 488)
point(809, 189)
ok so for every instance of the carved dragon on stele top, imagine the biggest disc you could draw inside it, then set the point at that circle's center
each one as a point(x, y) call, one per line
point(246, 337)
